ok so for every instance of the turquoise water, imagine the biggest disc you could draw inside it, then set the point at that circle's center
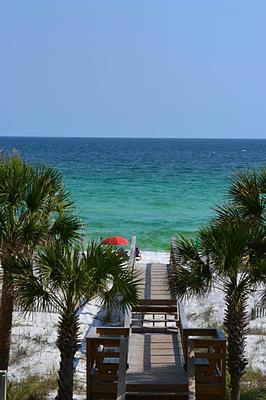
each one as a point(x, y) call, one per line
point(153, 188)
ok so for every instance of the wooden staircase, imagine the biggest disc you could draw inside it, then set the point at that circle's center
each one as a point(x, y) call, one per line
point(156, 356)
point(155, 363)
point(154, 316)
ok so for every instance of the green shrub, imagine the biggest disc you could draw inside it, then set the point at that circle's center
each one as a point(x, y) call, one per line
point(254, 394)
point(253, 379)
point(31, 388)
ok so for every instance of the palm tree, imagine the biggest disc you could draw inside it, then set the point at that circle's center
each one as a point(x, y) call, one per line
point(34, 210)
point(63, 277)
point(231, 255)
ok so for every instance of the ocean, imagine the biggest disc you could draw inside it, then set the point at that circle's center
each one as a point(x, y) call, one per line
point(154, 188)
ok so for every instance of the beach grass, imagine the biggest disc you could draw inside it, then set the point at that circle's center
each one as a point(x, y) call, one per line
point(253, 385)
point(254, 394)
point(31, 388)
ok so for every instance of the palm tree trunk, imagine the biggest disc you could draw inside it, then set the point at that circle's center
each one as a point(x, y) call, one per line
point(6, 314)
point(68, 345)
point(235, 323)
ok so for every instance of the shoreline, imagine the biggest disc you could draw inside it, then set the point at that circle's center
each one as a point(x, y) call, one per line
point(149, 256)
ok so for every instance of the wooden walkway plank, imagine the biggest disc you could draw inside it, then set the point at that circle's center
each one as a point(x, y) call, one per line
point(154, 358)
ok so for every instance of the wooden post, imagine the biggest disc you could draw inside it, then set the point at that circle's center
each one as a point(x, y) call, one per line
point(253, 313)
point(128, 317)
point(3, 384)
point(191, 370)
point(121, 383)
point(132, 255)
point(89, 366)
point(182, 329)
point(223, 371)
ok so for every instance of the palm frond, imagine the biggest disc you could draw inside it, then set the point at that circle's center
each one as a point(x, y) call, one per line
point(227, 214)
point(184, 249)
point(261, 178)
point(14, 177)
point(110, 275)
point(191, 273)
point(66, 228)
point(30, 289)
point(33, 204)
point(227, 245)
point(257, 275)
point(245, 194)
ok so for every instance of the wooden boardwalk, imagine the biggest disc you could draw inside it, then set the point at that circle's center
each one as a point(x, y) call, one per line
point(155, 281)
point(155, 357)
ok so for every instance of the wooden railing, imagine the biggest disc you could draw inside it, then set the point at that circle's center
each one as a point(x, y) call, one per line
point(107, 353)
point(258, 312)
point(3, 385)
point(132, 253)
point(259, 309)
point(204, 355)
point(128, 317)
point(131, 266)
point(206, 364)
point(121, 383)
point(191, 371)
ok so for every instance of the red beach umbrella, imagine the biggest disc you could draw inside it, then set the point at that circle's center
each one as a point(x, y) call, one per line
point(115, 241)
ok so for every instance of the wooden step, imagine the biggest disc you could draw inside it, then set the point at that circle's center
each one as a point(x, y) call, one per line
point(167, 302)
point(156, 396)
point(155, 308)
point(176, 388)
point(151, 329)
point(157, 391)
point(104, 396)
point(175, 313)
point(154, 320)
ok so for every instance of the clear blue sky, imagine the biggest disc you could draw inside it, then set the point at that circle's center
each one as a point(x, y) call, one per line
point(141, 68)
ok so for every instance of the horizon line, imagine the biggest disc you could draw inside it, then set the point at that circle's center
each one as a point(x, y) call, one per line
point(128, 137)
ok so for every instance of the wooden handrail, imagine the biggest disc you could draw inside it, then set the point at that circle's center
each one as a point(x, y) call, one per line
point(131, 266)
point(206, 361)
point(3, 384)
point(183, 324)
point(107, 353)
point(128, 317)
point(199, 335)
point(121, 383)
point(182, 315)
point(191, 371)
point(112, 331)
point(132, 254)
point(171, 252)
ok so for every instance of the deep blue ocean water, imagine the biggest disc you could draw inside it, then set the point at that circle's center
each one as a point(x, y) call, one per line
point(153, 188)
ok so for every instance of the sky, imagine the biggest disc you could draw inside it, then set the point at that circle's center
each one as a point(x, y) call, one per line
point(139, 68)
